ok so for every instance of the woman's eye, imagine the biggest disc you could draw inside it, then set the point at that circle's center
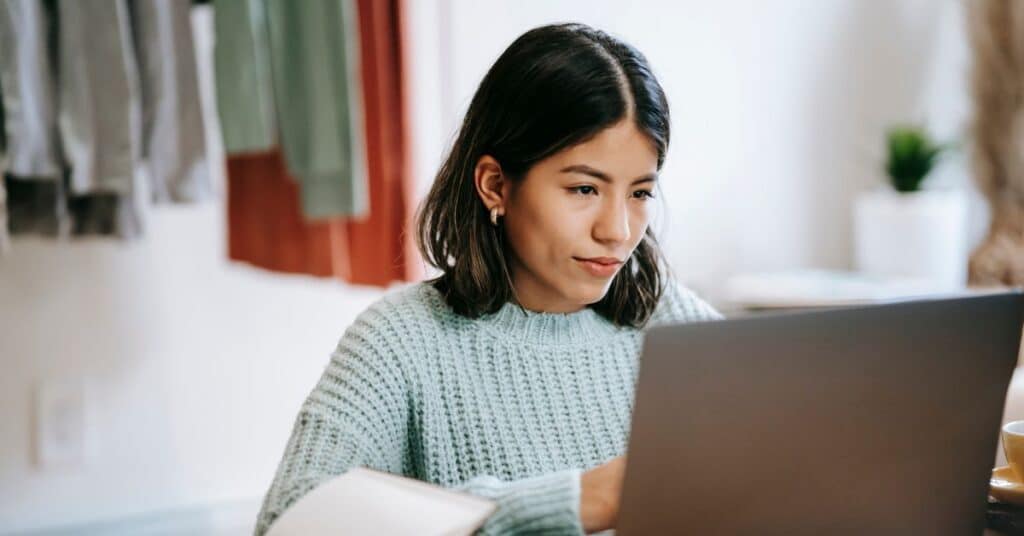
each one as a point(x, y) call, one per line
point(643, 194)
point(583, 190)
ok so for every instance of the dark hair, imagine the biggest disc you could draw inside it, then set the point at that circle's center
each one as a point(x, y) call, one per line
point(554, 87)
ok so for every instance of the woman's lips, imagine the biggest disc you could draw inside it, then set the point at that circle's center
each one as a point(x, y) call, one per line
point(599, 267)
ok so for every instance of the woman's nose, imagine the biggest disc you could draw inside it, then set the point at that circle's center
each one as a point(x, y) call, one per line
point(612, 224)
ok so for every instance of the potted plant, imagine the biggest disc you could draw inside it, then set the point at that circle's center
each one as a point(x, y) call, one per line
point(902, 229)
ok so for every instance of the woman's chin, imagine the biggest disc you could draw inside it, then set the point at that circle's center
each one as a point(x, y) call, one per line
point(588, 293)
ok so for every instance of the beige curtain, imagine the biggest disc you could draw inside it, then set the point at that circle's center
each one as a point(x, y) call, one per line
point(996, 30)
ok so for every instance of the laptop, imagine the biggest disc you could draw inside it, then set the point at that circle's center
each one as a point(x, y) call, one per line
point(879, 419)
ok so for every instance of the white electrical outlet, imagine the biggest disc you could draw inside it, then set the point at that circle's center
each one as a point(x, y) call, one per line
point(61, 423)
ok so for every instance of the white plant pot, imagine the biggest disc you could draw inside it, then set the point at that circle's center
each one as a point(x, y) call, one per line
point(919, 234)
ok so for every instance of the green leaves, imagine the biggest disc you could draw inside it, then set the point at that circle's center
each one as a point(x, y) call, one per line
point(912, 154)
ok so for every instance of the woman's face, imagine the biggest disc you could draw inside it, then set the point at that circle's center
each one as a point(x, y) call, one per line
point(577, 216)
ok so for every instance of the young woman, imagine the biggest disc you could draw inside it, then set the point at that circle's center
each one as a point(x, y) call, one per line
point(511, 375)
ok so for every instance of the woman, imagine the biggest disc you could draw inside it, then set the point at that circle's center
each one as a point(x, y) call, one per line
point(511, 375)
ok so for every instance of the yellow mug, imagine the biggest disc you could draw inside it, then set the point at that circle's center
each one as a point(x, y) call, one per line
point(1013, 447)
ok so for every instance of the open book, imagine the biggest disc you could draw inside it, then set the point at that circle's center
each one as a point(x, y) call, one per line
point(364, 501)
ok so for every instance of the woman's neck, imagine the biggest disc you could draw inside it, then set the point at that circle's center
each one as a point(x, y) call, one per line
point(534, 295)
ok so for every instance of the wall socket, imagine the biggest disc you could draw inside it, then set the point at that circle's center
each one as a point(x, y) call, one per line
point(62, 423)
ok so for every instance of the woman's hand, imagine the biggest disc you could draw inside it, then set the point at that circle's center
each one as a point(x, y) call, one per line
point(600, 490)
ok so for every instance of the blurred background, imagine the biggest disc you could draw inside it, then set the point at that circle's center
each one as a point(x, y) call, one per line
point(200, 197)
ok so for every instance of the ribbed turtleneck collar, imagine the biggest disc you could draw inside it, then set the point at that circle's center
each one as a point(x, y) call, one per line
point(523, 326)
point(520, 325)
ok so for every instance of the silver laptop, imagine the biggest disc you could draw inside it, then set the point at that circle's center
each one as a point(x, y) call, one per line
point(878, 419)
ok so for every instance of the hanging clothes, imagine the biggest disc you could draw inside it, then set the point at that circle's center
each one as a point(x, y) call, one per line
point(381, 246)
point(266, 226)
point(100, 106)
point(33, 162)
point(265, 223)
point(28, 89)
point(99, 112)
point(173, 137)
point(37, 207)
point(314, 67)
point(126, 102)
point(245, 97)
point(265, 197)
point(5, 240)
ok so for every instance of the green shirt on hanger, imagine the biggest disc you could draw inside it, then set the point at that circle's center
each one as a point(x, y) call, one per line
point(298, 67)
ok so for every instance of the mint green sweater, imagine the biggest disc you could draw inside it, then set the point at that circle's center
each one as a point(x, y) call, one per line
point(512, 406)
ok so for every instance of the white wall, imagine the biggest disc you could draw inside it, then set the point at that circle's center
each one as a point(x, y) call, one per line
point(199, 365)
point(778, 110)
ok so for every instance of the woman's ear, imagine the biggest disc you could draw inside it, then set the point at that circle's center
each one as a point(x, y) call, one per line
point(491, 185)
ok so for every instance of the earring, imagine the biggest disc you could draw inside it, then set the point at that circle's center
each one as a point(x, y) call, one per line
point(494, 216)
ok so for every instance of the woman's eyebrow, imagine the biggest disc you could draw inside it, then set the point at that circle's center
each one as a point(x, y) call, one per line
point(598, 174)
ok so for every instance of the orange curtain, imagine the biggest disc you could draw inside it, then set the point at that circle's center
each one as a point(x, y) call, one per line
point(378, 244)
point(265, 222)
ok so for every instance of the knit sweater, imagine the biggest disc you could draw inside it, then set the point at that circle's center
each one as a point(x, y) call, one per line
point(512, 406)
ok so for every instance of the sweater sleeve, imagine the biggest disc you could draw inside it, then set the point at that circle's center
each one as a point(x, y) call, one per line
point(356, 415)
point(544, 504)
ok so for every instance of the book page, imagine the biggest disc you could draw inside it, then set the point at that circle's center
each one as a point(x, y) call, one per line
point(364, 501)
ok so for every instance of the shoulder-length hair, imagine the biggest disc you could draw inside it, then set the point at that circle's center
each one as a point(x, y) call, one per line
point(554, 87)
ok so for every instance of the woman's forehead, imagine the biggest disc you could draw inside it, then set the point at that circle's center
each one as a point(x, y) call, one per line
point(621, 152)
